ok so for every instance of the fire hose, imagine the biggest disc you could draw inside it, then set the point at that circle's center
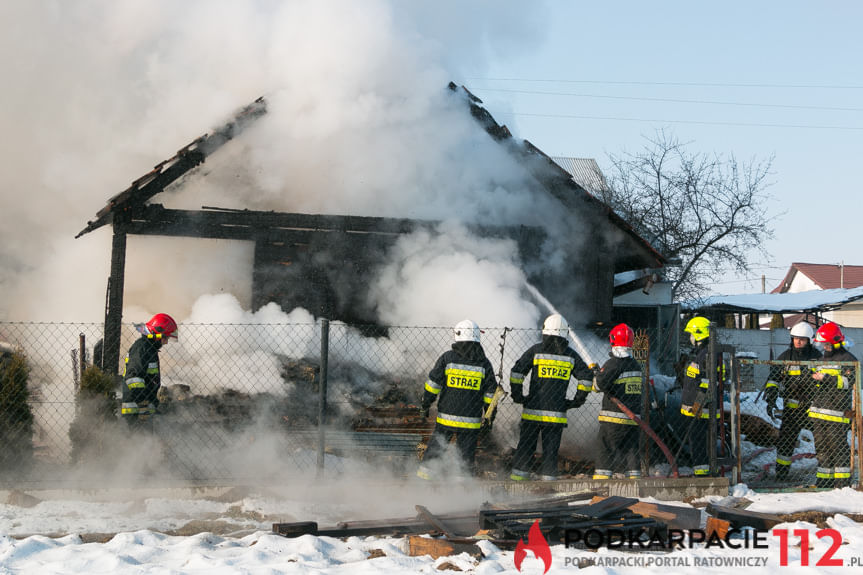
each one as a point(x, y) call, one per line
point(650, 433)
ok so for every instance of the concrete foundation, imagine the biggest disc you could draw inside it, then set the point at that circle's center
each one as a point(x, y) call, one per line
point(663, 489)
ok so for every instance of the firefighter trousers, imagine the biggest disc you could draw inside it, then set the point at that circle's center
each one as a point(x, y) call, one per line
point(793, 421)
point(465, 442)
point(832, 451)
point(532, 431)
point(618, 450)
point(699, 435)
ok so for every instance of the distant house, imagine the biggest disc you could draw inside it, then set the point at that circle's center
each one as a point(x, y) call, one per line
point(802, 277)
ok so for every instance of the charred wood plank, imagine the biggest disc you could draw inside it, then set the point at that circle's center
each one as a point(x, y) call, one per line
point(676, 517)
point(434, 521)
point(166, 172)
point(744, 518)
point(554, 501)
point(606, 507)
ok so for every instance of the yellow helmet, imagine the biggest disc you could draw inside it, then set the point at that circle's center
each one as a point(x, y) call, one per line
point(699, 327)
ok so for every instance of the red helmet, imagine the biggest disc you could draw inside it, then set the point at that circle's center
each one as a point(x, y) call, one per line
point(163, 326)
point(621, 336)
point(829, 333)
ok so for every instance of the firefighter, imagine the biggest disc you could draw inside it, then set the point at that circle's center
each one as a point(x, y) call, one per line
point(550, 363)
point(694, 401)
point(463, 382)
point(141, 375)
point(619, 378)
point(830, 411)
point(796, 386)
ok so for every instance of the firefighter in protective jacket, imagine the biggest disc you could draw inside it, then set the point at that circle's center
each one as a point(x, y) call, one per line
point(550, 364)
point(463, 383)
point(796, 386)
point(694, 400)
point(141, 376)
point(619, 378)
point(830, 412)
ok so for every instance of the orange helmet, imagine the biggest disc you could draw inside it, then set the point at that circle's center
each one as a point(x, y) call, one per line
point(829, 333)
point(621, 336)
point(162, 326)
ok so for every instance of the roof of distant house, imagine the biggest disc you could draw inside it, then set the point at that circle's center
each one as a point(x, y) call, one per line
point(825, 276)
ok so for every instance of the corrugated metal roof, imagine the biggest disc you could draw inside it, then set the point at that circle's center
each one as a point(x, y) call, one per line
point(807, 301)
point(585, 172)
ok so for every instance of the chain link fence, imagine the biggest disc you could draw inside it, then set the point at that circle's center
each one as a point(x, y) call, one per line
point(810, 434)
point(246, 402)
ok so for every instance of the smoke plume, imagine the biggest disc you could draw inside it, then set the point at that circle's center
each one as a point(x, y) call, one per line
point(360, 122)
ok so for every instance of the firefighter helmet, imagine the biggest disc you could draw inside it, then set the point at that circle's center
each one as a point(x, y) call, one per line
point(466, 330)
point(699, 327)
point(829, 333)
point(803, 329)
point(555, 324)
point(621, 336)
point(162, 326)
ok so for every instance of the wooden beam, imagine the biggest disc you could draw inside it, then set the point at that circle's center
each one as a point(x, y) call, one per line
point(435, 548)
point(744, 518)
point(114, 303)
point(675, 516)
point(433, 520)
point(718, 526)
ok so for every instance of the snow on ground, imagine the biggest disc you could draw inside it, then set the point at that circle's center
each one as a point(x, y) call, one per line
point(135, 539)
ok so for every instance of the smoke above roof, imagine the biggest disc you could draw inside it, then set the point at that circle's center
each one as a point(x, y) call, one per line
point(360, 122)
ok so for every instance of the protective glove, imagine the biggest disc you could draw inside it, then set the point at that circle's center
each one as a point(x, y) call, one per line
point(576, 402)
point(771, 394)
point(517, 396)
point(424, 412)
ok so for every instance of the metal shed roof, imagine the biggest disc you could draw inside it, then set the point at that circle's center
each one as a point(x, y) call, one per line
point(807, 301)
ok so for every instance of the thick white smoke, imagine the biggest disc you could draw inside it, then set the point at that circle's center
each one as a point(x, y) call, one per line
point(360, 122)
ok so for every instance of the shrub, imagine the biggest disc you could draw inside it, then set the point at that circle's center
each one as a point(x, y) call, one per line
point(94, 431)
point(16, 417)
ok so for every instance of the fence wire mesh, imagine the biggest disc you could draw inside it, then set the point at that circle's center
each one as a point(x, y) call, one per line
point(245, 402)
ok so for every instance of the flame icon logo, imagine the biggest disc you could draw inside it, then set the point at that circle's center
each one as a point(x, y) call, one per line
point(535, 542)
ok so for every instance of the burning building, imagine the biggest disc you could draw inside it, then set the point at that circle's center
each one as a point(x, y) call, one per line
point(569, 248)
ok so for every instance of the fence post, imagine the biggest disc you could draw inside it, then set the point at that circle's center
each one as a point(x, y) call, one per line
point(858, 418)
point(735, 420)
point(322, 390)
point(82, 360)
point(711, 394)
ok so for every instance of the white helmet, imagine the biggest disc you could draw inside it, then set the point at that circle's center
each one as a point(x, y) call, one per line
point(466, 330)
point(803, 329)
point(555, 325)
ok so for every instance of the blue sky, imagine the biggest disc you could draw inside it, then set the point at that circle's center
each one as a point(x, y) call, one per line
point(772, 78)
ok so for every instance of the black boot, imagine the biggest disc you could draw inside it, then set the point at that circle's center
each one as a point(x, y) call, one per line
point(782, 472)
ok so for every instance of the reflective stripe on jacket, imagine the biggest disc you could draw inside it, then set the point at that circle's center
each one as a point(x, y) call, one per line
point(463, 383)
point(550, 364)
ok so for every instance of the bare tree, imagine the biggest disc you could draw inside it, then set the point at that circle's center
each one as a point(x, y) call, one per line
point(706, 213)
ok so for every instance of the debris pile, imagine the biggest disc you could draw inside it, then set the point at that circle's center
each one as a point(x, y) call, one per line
point(509, 525)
